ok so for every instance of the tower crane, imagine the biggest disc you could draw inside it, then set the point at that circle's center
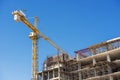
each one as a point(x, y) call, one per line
point(19, 16)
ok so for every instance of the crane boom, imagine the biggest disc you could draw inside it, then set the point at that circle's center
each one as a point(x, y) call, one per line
point(20, 16)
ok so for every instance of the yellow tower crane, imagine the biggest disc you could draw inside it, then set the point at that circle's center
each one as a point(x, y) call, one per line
point(19, 16)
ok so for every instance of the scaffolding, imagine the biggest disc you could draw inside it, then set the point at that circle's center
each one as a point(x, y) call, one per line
point(97, 62)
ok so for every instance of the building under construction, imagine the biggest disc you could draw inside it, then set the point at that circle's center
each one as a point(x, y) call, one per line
point(97, 62)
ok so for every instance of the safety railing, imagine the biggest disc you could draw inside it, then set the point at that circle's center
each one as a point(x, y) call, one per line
point(99, 48)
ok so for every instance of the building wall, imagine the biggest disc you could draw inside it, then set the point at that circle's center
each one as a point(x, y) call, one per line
point(98, 62)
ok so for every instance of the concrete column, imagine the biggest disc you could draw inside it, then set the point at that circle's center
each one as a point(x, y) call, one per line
point(48, 75)
point(95, 72)
point(42, 76)
point(94, 61)
point(108, 58)
point(109, 69)
point(80, 76)
point(59, 73)
point(111, 78)
point(88, 73)
point(79, 67)
point(53, 74)
point(78, 57)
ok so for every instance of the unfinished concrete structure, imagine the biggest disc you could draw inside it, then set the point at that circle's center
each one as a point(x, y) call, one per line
point(98, 62)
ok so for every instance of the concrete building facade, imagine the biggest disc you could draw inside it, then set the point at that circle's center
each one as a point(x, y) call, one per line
point(97, 62)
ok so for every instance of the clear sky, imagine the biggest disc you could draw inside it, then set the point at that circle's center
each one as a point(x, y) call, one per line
point(71, 24)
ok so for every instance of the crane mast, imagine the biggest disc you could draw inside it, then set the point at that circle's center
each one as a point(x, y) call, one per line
point(34, 37)
point(19, 16)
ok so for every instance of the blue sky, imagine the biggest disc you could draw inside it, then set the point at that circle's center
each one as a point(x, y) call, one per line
point(71, 24)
